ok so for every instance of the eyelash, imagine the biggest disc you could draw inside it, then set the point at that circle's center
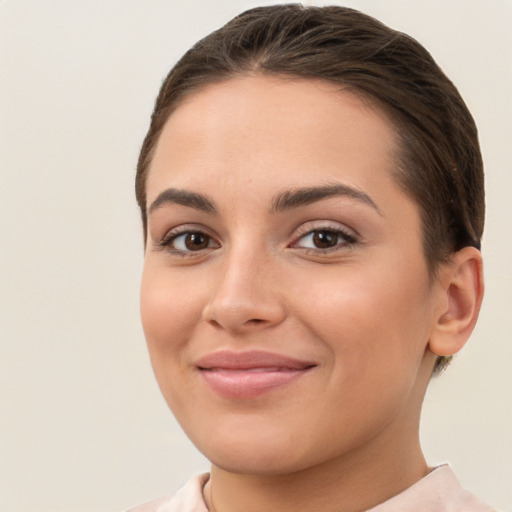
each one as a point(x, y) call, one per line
point(347, 240)
point(185, 231)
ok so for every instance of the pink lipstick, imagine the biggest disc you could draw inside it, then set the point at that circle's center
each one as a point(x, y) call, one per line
point(249, 374)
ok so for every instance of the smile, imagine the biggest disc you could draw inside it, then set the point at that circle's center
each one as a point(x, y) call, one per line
point(249, 374)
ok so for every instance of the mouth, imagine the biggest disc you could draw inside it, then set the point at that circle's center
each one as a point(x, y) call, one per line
point(243, 375)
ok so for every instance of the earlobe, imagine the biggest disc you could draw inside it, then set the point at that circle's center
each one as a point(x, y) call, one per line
point(462, 289)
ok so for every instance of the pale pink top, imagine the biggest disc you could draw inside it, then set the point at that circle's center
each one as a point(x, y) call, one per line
point(439, 491)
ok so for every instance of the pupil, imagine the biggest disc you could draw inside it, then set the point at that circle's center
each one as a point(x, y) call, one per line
point(196, 241)
point(325, 239)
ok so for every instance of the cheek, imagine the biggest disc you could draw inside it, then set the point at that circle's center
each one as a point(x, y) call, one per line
point(370, 317)
point(169, 310)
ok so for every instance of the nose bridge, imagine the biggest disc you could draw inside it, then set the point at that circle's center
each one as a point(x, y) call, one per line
point(246, 294)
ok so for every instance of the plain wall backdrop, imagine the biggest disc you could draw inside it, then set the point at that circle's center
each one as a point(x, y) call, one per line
point(82, 424)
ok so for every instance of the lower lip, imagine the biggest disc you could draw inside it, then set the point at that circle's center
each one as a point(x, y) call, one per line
point(244, 384)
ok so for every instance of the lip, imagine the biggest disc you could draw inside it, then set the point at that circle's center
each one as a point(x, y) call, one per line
point(243, 375)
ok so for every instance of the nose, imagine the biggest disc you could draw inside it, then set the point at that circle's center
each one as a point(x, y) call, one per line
point(246, 296)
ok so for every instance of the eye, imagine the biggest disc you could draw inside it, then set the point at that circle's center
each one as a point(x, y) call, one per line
point(324, 239)
point(188, 241)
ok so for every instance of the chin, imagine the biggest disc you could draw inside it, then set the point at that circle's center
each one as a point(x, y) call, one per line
point(261, 452)
point(258, 462)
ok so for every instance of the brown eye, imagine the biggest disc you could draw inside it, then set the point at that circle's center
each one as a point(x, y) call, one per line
point(325, 239)
point(189, 241)
point(196, 241)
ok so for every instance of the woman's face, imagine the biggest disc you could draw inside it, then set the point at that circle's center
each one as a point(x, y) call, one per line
point(285, 295)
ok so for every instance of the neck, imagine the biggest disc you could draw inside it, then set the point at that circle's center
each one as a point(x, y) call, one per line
point(356, 483)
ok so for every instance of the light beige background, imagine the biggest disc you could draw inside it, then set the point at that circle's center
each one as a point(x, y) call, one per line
point(82, 425)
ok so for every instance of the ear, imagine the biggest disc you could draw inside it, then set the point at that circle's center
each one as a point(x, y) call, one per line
point(461, 288)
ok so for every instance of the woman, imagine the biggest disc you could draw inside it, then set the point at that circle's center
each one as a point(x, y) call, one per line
point(311, 190)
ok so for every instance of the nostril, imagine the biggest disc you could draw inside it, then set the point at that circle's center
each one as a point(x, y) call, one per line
point(236, 314)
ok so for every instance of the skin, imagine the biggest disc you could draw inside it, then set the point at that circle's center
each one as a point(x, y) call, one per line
point(365, 310)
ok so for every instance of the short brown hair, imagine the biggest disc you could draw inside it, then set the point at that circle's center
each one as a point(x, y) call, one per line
point(439, 163)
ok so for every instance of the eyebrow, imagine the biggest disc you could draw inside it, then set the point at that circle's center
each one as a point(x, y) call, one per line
point(281, 202)
point(304, 196)
point(184, 198)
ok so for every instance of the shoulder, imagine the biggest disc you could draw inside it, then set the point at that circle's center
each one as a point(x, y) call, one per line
point(439, 491)
point(451, 492)
point(188, 499)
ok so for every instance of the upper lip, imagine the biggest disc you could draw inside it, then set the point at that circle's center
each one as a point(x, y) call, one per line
point(232, 360)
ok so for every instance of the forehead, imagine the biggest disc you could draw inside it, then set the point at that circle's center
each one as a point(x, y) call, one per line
point(254, 124)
